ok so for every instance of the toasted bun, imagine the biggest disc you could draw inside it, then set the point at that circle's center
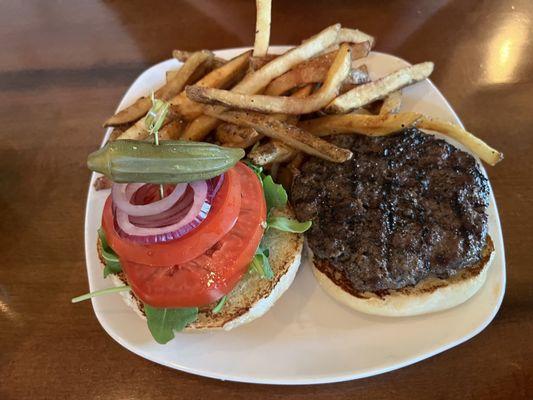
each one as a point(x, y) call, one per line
point(253, 296)
point(429, 295)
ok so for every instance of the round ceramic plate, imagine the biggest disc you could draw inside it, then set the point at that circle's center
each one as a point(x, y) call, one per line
point(307, 337)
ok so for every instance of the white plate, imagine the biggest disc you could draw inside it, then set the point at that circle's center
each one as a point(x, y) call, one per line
point(306, 337)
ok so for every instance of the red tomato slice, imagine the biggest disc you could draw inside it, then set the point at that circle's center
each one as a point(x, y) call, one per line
point(221, 218)
point(216, 272)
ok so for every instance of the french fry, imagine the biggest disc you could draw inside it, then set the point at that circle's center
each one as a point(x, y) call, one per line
point(370, 125)
point(271, 152)
point(203, 69)
point(315, 70)
point(172, 130)
point(347, 35)
point(297, 161)
point(280, 104)
point(256, 81)
point(259, 62)
point(287, 172)
point(183, 56)
point(392, 103)
point(276, 151)
point(289, 134)
point(369, 92)
point(243, 137)
point(181, 105)
point(221, 77)
point(480, 148)
point(184, 75)
point(356, 77)
point(170, 74)
point(262, 27)
point(231, 135)
point(259, 79)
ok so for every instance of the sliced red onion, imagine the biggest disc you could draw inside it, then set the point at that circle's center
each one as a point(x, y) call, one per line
point(184, 215)
point(122, 194)
point(170, 215)
point(193, 216)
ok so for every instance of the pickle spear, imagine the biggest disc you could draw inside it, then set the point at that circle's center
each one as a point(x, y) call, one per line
point(173, 161)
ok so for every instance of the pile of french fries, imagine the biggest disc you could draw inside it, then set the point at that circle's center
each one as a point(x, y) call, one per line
point(281, 107)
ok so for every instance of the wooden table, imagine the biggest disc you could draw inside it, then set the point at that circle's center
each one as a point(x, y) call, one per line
point(63, 68)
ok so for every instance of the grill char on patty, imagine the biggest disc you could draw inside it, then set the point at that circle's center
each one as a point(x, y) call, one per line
point(405, 207)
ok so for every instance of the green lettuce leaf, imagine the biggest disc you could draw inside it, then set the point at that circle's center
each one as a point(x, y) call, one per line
point(256, 168)
point(261, 265)
point(219, 305)
point(288, 224)
point(162, 322)
point(112, 263)
point(275, 194)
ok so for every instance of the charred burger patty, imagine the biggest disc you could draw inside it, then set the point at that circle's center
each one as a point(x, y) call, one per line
point(404, 208)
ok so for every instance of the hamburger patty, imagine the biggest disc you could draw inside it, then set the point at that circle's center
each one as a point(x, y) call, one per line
point(405, 207)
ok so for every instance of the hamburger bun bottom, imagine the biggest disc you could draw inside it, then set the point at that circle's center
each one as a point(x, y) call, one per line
point(428, 296)
point(253, 296)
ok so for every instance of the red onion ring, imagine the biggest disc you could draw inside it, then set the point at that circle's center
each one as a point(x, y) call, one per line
point(159, 220)
point(122, 194)
point(173, 222)
point(193, 216)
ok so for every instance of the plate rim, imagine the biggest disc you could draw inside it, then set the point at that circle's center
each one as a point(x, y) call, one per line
point(309, 379)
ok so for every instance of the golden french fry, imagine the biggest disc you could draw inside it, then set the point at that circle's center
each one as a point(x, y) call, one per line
point(181, 105)
point(478, 146)
point(347, 35)
point(170, 74)
point(219, 78)
point(289, 134)
point(237, 136)
point(242, 136)
point(262, 27)
point(271, 152)
point(199, 128)
point(371, 125)
point(183, 76)
point(392, 103)
point(172, 130)
point(369, 92)
point(259, 62)
point(280, 104)
point(315, 70)
point(184, 55)
point(256, 81)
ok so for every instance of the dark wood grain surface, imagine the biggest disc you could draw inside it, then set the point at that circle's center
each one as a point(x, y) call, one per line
point(64, 65)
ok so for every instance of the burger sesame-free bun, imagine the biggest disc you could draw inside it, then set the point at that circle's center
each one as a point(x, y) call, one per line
point(253, 296)
point(429, 295)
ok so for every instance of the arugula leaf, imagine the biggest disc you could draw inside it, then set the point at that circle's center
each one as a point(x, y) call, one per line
point(112, 263)
point(261, 265)
point(112, 269)
point(219, 305)
point(162, 322)
point(103, 240)
point(256, 168)
point(102, 292)
point(275, 194)
point(288, 224)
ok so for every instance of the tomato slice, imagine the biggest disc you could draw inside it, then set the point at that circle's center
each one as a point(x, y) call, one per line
point(216, 272)
point(221, 218)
